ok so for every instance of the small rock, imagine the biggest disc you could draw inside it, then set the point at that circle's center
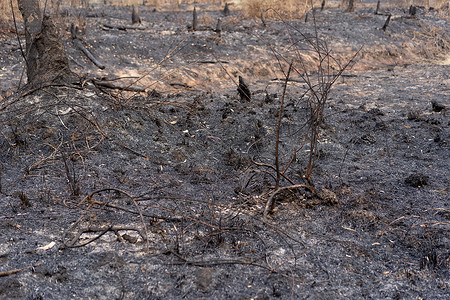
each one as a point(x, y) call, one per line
point(129, 238)
point(204, 278)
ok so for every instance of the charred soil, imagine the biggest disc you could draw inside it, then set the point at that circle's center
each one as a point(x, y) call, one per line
point(108, 194)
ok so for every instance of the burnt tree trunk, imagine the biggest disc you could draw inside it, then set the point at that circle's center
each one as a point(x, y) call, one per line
point(194, 20)
point(45, 53)
point(377, 11)
point(135, 18)
point(350, 7)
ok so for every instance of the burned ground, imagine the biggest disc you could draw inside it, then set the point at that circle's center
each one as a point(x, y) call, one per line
point(153, 195)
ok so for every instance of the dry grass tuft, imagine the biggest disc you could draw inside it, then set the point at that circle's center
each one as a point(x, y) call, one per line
point(286, 9)
point(5, 11)
point(207, 19)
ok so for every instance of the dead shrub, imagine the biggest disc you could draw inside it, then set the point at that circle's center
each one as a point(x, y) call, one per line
point(309, 60)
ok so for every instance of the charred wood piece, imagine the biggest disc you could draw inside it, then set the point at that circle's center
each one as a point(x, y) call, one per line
point(243, 90)
point(194, 20)
point(77, 42)
point(377, 11)
point(123, 27)
point(386, 24)
point(89, 55)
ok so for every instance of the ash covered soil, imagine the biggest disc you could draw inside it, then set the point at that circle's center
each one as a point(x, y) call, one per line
point(107, 194)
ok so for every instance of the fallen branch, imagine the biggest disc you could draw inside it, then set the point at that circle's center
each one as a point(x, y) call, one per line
point(102, 231)
point(11, 272)
point(271, 202)
point(123, 27)
point(111, 85)
point(213, 61)
point(89, 55)
point(202, 263)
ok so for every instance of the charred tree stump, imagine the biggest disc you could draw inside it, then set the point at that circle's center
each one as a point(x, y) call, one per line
point(194, 20)
point(412, 10)
point(45, 55)
point(243, 90)
point(135, 18)
point(377, 11)
point(350, 7)
point(323, 5)
point(226, 10)
point(386, 24)
point(219, 26)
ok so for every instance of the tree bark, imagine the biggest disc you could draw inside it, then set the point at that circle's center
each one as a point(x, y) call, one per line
point(45, 55)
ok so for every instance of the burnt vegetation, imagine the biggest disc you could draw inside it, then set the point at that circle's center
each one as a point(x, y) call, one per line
point(202, 150)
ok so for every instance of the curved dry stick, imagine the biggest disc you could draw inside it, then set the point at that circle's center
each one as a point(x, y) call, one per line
point(270, 167)
point(14, 271)
point(37, 163)
point(192, 218)
point(103, 231)
point(92, 203)
point(71, 244)
point(271, 202)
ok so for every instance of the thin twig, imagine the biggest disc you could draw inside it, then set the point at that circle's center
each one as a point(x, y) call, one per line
point(277, 139)
point(14, 271)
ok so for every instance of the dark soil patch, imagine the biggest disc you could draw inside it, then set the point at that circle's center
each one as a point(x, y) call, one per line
point(153, 195)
